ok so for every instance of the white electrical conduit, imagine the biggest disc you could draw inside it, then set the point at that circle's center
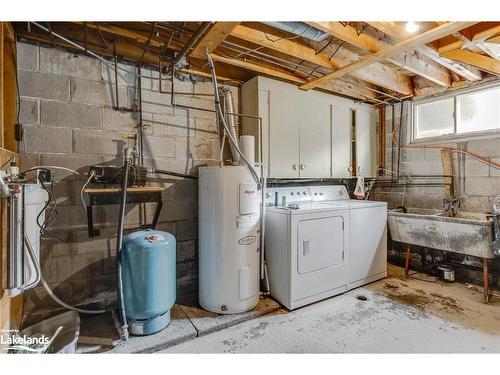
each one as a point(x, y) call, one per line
point(46, 286)
point(52, 167)
point(92, 174)
point(218, 108)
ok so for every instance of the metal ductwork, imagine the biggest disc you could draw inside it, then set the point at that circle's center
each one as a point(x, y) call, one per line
point(300, 28)
point(231, 121)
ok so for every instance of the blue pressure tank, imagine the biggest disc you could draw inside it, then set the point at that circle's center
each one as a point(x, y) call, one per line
point(148, 275)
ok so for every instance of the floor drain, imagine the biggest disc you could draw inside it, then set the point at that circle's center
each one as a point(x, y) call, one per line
point(361, 297)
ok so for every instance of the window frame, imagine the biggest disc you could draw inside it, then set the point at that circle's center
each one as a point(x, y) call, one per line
point(491, 133)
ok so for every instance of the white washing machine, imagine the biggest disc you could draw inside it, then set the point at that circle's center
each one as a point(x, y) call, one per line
point(367, 235)
point(306, 246)
point(320, 243)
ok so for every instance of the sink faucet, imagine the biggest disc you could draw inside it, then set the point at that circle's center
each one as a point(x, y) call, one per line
point(450, 206)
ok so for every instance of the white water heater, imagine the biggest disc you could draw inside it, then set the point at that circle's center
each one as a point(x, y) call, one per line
point(229, 239)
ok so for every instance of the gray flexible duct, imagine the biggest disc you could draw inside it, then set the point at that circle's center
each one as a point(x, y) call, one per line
point(231, 121)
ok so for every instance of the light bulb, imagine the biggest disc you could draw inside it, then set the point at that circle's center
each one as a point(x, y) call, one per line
point(411, 26)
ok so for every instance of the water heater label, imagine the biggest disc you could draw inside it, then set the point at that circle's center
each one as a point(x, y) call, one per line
point(245, 221)
point(248, 240)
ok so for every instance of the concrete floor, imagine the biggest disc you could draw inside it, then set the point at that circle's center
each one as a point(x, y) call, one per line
point(346, 324)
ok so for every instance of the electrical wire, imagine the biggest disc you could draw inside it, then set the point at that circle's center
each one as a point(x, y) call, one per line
point(18, 112)
point(52, 167)
point(43, 227)
point(91, 176)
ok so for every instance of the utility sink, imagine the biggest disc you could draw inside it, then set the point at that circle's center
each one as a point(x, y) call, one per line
point(468, 233)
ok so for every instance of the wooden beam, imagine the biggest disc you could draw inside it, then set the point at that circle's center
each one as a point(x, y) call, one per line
point(217, 33)
point(408, 44)
point(478, 45)
point(474, 40)
point(258, 68)
point(493, 40)
point(395, 31)
point(409, 61)
point(376, 74)
point(120, 31)
point(286, 46)
point(479, 34)
point(482, 62)
point(337, 87)
point(130, 52)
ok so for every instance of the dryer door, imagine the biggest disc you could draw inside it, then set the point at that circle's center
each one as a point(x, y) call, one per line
point(320, 244)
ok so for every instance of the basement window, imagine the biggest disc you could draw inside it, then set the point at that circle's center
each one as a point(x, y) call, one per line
point(468, 113)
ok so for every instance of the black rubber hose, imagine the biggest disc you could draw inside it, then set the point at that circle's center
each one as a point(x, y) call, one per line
point(175, 174)
point(119, 242)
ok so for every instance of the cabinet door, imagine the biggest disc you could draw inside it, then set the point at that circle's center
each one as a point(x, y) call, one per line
point(365, 142)
point(283, 135)
point(341, 141)
point(315, 140)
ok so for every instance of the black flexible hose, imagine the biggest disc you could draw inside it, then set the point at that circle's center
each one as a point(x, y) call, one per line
point(119, 242)
point(175, 174)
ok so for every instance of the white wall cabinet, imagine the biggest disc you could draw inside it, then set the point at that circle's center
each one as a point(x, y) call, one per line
point(307, 134)
point(315, 139)
point(284, 150)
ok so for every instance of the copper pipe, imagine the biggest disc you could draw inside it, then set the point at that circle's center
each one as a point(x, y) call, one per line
point(473, 155)
point(407, 260)
point(381, 112)
point(485, 281)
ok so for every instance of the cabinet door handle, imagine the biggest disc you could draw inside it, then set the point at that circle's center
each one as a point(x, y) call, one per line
point(302, 166)
point(294, 167)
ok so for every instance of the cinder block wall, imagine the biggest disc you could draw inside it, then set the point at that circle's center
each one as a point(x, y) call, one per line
point(66, 102)
point(477, 183)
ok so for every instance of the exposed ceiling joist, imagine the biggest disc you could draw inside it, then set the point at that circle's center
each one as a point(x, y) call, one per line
point(493, 40)
point(126, 33)
point(126, 50)
point(406, 60)
point(286, 46)
point(376, 74)
point(478, 45)
point(482, 62)
point(406, 45)
point(341, 88)
point(218, 32)
point(394, 31)
point(471, 38)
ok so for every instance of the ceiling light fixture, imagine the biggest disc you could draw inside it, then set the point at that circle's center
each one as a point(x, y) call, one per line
point(412, 26)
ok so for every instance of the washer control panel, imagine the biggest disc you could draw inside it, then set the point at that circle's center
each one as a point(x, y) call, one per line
point(284, 196)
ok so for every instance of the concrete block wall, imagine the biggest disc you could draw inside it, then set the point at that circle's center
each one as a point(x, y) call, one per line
point(66, 102)
point(476, 182)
